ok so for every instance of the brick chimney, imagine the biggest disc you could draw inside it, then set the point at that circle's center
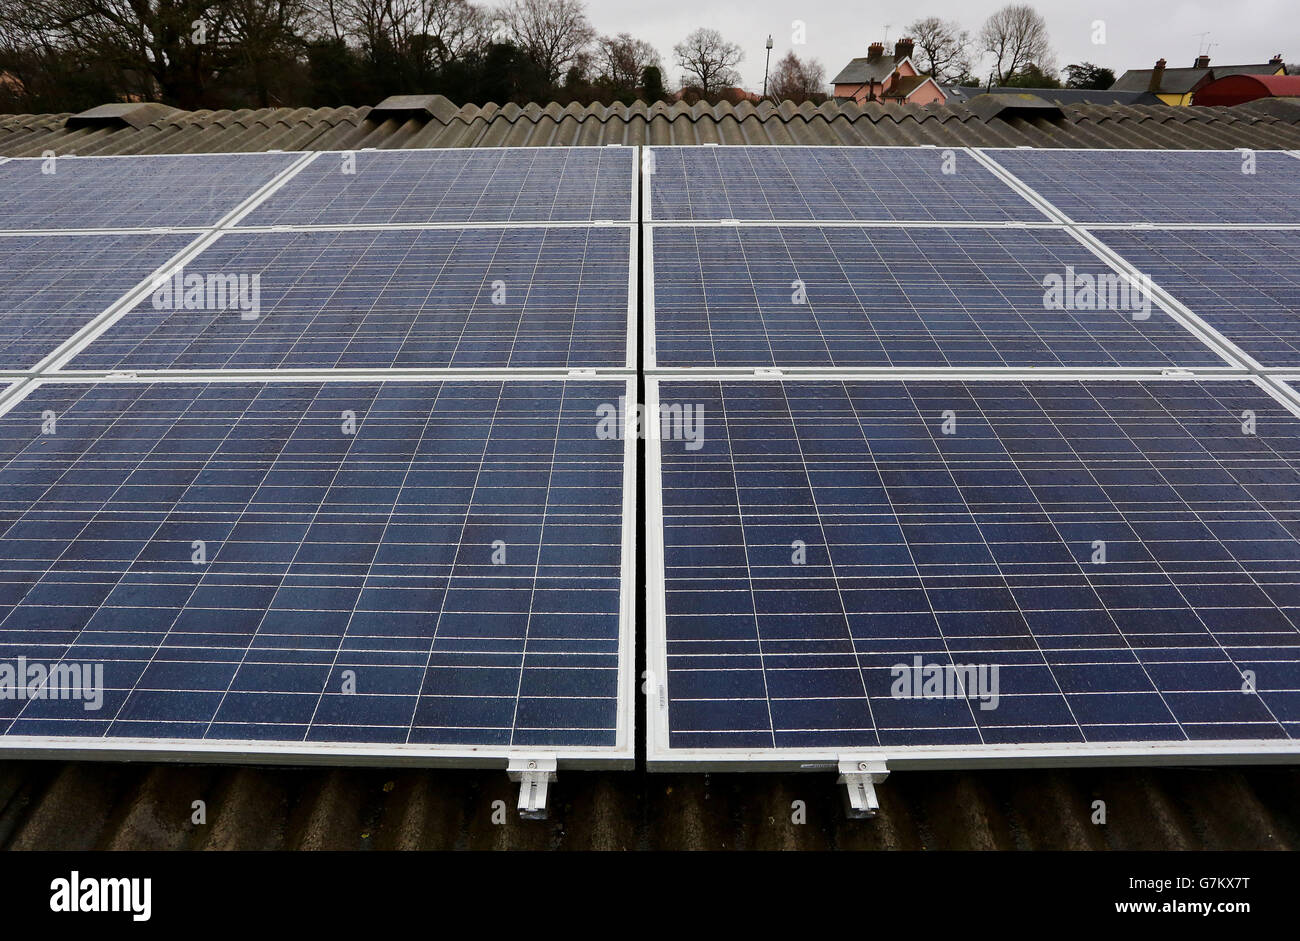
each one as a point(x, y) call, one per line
point(1276, 60)
point(1157, 76)
point(875, 50)
point(903, 48)
point(1202, 62)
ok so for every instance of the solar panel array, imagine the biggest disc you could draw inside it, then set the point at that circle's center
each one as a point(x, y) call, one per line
point(52, 285)
point(914, 420)
point(413, 298)
point(279, 558)
point(955, 555)
point(821, 184)
point(1244, 283)
point(368, 554)
point(979, 548)
point(68, 192)
point(527, 184)
point(1162, 186)
point(848, 296)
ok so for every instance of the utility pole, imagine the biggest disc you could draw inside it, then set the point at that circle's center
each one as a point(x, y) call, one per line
point(767, 63)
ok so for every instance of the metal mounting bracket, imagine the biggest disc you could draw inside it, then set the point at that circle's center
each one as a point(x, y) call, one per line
point(534, 776)
point(860, 776)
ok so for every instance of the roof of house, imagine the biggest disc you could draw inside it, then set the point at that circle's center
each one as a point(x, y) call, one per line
point(871, 68)
point(1233, 89)
point(1182, 81)
point(76, 805)
point(908, 84)
point(433, 121)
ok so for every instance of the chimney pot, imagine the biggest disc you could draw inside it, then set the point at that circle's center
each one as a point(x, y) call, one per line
point(903, 48)
point(1157, 76)
point(1276, 60)
point(1202, 62)
point(875, 50)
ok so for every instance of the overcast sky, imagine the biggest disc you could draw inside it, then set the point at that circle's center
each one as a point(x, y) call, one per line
point(1137, 31)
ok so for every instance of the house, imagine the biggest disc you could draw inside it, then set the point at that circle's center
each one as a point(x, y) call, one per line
point(891, 79)
point(1177, 86)
point(1238, 89)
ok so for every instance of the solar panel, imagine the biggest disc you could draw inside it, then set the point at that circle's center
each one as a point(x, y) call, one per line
point(130, 192)
point(445, 579)
point(527, 184)
point(1165, 186)
point(486, 297)
point(846, 297)
point(823, 184)
point(1245, 284)
point(52, 285)
point(1097, 563)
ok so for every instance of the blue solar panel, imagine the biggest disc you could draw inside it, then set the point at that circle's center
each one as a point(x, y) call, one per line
point(391, 298)
point(979, 548)
point(329, 556)
point(529, 184)
point(1166, 186)
point(898, 297)
point(52, 285)
point(1245, 284)
point(823, 184)
point(130, 192)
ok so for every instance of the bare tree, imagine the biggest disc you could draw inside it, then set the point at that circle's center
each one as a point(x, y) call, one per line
point(553, 34)
point(943, 48)
point(709, 59)
point(622, 59)
point(262, 33)
point(798, 81)
point(172, 48)
point(1016, 36)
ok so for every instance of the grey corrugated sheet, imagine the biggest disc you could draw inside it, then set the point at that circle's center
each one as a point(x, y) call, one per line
point(1083, 125)
point(95, 806)
point(60, 805)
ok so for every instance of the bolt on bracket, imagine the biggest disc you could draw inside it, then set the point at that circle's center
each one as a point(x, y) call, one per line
point(860, 776)
point(534, 776)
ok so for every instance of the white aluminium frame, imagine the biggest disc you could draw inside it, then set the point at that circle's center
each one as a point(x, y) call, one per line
point(620, 755)
point(661, 756)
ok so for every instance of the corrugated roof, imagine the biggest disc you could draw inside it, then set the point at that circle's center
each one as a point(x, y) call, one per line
point(1063, 96)
point(439, 123)
point(46, 805)
point(67, 805)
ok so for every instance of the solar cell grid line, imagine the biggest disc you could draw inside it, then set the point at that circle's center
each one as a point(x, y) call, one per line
point(175, 190)
point(430, 298)
point(1243, 283)
point(827, 185)
point(974, 549)
point(850, 297)
point(460, 185)
point(53, 285)
point(326, 554)
point(1160, 187)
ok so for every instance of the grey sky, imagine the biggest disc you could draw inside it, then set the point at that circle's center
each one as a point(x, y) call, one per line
point(1137, 31)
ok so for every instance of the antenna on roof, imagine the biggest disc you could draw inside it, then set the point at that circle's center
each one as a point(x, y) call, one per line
point(1203, 48)
point(886, 34)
